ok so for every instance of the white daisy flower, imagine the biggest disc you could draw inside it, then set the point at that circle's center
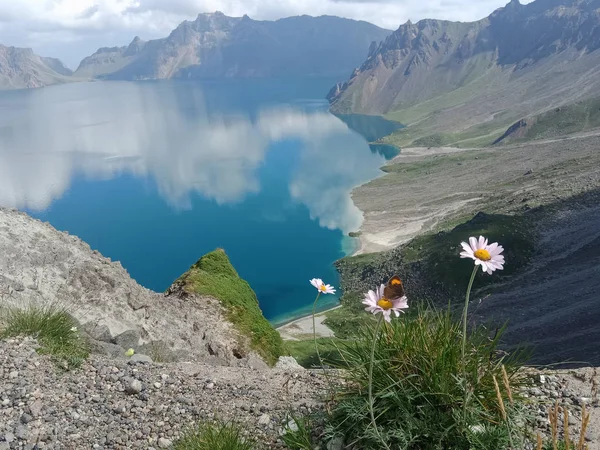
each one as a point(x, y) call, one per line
point(489, 257)
point(377, 303)
point(322, 287)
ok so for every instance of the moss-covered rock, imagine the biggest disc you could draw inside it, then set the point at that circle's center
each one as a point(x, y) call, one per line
point(213, 275)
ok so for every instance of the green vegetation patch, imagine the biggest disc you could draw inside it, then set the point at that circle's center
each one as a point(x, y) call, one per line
point(54, 329)
point(418, 387)
point(439, 253)
point(213, 275)
point(220, 436)
point(304, 351)
point(430, 264)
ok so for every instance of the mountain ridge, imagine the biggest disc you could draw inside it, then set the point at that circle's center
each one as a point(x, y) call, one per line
point(215, 45)
point(21, 68)
point(448, 77)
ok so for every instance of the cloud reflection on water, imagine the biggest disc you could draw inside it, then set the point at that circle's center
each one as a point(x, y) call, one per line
point(106, 130)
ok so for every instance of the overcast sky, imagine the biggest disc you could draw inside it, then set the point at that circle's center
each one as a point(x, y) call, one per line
point(73, 29)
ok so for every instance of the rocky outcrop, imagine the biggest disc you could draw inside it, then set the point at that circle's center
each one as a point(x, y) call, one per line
point(21, 68)
point(43, 267)
point(215, 45)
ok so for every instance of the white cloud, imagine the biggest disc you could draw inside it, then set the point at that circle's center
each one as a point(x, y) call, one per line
point(56, 25)
point(143, 130)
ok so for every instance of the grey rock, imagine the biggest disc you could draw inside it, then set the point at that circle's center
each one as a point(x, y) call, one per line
point(288, 363)
point(128, 339)
point(21, 432)
point(264, 420)
point(336, 444)
point(164, 443)
point(26, 418)
point(36, 408)
point(134, 387)
point(139, 358)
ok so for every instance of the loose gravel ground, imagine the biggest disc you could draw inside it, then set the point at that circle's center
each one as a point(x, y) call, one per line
point(114, 404)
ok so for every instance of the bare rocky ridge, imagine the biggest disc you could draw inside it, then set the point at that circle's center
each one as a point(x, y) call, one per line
point(21, 68)
point(41, 266)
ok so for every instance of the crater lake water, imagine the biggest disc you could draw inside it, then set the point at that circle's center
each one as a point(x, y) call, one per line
point(156, 174)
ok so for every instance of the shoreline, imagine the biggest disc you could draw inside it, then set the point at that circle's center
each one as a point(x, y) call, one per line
point(300, 327)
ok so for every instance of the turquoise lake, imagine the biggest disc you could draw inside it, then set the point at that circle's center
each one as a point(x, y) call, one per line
point(156, 174)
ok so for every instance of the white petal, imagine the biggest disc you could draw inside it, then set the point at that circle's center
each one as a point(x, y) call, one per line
point(466, 247)
point(314, 283)
point(380, 293)
point(386, 316)
point(467, 255)
point(473, 243)
point(397, 313)
point(481, 243)
point(373, 297)
point(400, 303)
point(492, 247)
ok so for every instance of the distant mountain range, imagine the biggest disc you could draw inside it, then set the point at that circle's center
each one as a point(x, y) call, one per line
point(213, 46)
point(21, 68)
point(456, 82)
point(216, 46)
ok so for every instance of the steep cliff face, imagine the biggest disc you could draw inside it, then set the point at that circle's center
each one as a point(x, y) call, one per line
point(423, 61)
point(21, 68)
point(215, 45)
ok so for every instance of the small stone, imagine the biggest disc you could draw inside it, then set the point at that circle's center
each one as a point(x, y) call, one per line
point(157, 385)
point(26, 418)
point(21, 432)
point(14, 374)
point(36, 408)
point(141, 359)
point(584, 401)
point(134, 387)
point(264, 420)
point(210, 386)
point(542, 379)
point(164, 443)
point(9, 437)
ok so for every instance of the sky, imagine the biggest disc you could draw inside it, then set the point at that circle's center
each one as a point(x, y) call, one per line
point(73, 29)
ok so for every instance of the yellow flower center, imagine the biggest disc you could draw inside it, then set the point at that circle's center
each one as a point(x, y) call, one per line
point(323, 288)
point(384, 303)
point(483, 255)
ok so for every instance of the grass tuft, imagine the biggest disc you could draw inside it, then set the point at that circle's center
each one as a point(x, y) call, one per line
point(298, 435)
point(219, 436)
point(419, 388)
point(53, 328)
point(213, 275)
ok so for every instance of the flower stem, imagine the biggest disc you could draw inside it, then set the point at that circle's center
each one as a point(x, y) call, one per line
point(314, 311)
point(373, 422)
point(464, 339)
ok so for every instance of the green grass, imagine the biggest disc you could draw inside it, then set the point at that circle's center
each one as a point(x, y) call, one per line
point(214, 437)
point(304, 351)
point(54, 329)
point(567, 119)
point(419, 388)
point(213, 275)
point(298, 436)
